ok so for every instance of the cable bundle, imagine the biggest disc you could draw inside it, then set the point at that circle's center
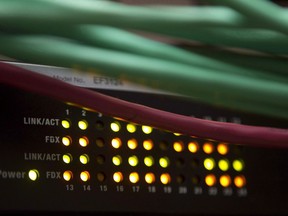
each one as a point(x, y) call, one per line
point(97, 34)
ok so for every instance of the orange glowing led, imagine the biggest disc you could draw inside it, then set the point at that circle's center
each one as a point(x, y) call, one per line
point(208, 148)
point(165, 178)
point(148, 144)
point(66, 141)
point(193, 147)
point(67, 175)
point(83, 141)
point(210, 180)
point(132, 144)
point(85, 176)
point(134, 177)
point(116, 143)
point(150, 178)
point(225, 180)
point(118, 177)
point(178, 146)
point(240, 181)
point(222, 148)
point(147, 129)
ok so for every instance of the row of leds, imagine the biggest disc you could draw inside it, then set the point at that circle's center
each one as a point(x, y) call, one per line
point(224, 164)
point(114, 126)
point(150, 178)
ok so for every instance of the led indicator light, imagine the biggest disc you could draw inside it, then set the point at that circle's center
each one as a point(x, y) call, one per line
point(208, 148)
point(148, 144)
point(65, 124)
point(83, 141)
point(67, 175)
point(209, 163)
point(240, 181)
point(67, 158)
point(118, 177)
point(33, 174)
point(165, 178)
point(83, 125)
point(223, 164)
point(101, 177)
point(115, 126)
point(149, 161)
point(178, 146)
point(134, 177)
point(100, 142)
point(164, 162)
point(133, 160)
point(84, 159)
point(116, 143)
point(132, 144)
point(117, 160)
point(222, 148)
point(100, 159)
point(147, 129)
point(193, 147)
point(238, 165)
point(84, 176)
point(131, 128)
point(225, 180)
point(210, 180)
point(66, 140)
point(177, 134)
point(150, 178)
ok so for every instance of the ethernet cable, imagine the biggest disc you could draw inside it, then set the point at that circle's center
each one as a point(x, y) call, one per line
point(227, 132)
point(219, 88)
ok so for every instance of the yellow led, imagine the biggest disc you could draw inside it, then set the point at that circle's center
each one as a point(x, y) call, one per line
point(148, 144)
point(149, 161)
point(115, 126)
point(33, 174)
point(66, 140)
point(164, 162)
point(210, 180)
point(65, 124)
point(117, 160)
point(177, 134)
point(84, 176)
point(209, 163)
point(67, 175)
point(147, 129)
point(132, 144)
point(208, 148)
point(134, 177)
point(225, 180)
point(83, 141)
point(131, 128)
point(240, 181)
point(116, 143)
point(178, 146)
point(223, 164)
point(150, 178)
point(238, 165)
point(222, 148)
point(165, 178)
point(133, 160)
point(67, 158)
point(84, 159)
point(118, 177)
point(83, 125)
point(193, 147)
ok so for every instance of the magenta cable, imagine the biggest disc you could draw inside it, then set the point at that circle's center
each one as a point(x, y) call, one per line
point(220, 131)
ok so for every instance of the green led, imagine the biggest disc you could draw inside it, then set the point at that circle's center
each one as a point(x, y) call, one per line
point(83, 125)
point(117, 160)
point(209, 163)
point(149, 161)
point(33, 174)
point(223, 164)
point(238, 165)
point(133, 160)
point(84, 159)
point(115, 126)
point(164, 162)
point(67, 158)
point(65, 124)
point(131, 128)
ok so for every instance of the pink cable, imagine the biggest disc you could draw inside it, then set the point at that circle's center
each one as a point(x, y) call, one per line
point(220, 131)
